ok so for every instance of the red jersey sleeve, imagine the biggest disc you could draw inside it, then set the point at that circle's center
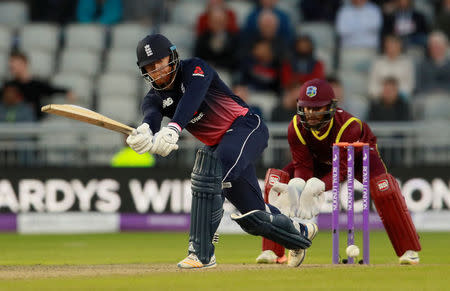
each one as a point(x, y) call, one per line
point(301, 157)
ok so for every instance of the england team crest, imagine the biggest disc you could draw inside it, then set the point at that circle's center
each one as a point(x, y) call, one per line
point(311, 91)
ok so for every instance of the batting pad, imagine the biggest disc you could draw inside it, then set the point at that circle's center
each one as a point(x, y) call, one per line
point(276, 227)
point(207, 202)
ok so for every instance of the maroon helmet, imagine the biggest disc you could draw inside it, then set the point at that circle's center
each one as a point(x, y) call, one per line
point(316, 93)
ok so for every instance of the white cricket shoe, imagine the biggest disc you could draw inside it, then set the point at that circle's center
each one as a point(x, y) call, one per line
point(267, 257)
point(409, 258)
point(192, 262)
point(296, 257)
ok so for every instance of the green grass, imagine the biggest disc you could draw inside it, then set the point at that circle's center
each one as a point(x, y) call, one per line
point(169, 248)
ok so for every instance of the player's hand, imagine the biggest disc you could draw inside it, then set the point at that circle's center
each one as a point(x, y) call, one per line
point(165, 141)
point(278, 197)
point(311, 199)
point(285, 196)
point(140, 140)
point(295, 189)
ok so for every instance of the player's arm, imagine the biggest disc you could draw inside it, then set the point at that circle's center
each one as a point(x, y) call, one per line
point(197, 77)
point(302, 162)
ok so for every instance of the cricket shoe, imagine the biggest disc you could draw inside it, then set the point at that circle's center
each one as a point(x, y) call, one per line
point(409, 258)
point(267, 257)
point(296, 257)
point(192, 262)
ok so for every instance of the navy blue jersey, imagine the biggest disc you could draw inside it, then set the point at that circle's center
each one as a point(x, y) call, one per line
point(199, 101)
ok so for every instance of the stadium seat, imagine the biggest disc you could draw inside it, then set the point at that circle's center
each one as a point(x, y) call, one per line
point(6, 38)
point(354, 83)
point(42, 63)
point(122, 61)
point(426, 8)
point(291, 9)
point(184, 52)
point(181, 36)
point(322, 33)
point(13, 13)
point(241, 9)
point(80, 85)
point(120, 107)
point(118, 85)
point(79, 61)
point(356, 60)
point(40, 36)
point(85, 36)
point(102, 144)
point(185, 14)
point(264, 100)
point(437, 107)
point(327, 57)
point(58, 149)
point(127, 35)
point(3, 65)
point(225, 76)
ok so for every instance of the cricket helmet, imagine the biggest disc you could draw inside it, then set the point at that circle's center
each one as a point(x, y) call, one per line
point(153, 48)
point(316, 93)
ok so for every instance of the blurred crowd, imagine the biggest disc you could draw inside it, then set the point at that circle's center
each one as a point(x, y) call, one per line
point(387, 60)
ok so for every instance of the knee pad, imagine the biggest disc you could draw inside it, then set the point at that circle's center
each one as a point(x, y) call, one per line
point(207, 202)
point(276, 227)
point(391, 207)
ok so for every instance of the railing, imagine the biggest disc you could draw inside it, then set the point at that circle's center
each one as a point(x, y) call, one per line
point(74, 144)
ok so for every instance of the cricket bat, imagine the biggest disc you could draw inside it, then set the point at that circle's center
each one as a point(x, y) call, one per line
point(86, 115)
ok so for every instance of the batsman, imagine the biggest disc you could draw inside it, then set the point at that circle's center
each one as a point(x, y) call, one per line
point(194, 97)
point(311, 134)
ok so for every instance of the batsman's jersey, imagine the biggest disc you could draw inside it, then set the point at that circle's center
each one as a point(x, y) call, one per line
point(311, 150)
point(199, 101)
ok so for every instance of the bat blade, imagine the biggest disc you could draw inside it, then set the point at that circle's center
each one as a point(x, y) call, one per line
point(86, 115)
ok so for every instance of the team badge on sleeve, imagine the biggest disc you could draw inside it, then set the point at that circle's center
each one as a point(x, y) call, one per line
point(198, 72)
point(311, 91)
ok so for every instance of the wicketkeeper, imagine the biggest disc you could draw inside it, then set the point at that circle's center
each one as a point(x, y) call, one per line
point(313, 130)
point(192, 94)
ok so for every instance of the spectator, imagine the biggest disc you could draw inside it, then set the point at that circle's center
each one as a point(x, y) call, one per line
point(242, 91)
point(433, 74)
point(389, 106)
point(443, 18)
point(33, 90)
point(252, 26)
point(106, 12)
point(203, 21)
point(261, 70)
point(287, 108)
point(319, 10)
point(268, 25)
point(355, 106)
point(304, 66)
point(12, 107)
point(407, 23)
point(55, 11)
point(217, 45)
point(392, 63)
point(358, 24)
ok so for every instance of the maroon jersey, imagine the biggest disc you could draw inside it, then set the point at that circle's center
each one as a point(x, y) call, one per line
point(311, 150)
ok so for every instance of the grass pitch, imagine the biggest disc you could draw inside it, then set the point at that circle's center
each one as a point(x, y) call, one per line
point(147, 261)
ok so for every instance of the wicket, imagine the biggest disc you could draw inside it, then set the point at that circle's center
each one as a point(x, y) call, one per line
point(350, 201)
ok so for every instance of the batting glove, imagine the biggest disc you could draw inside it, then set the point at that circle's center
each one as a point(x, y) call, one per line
point(165, 141)
point(140, 139)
